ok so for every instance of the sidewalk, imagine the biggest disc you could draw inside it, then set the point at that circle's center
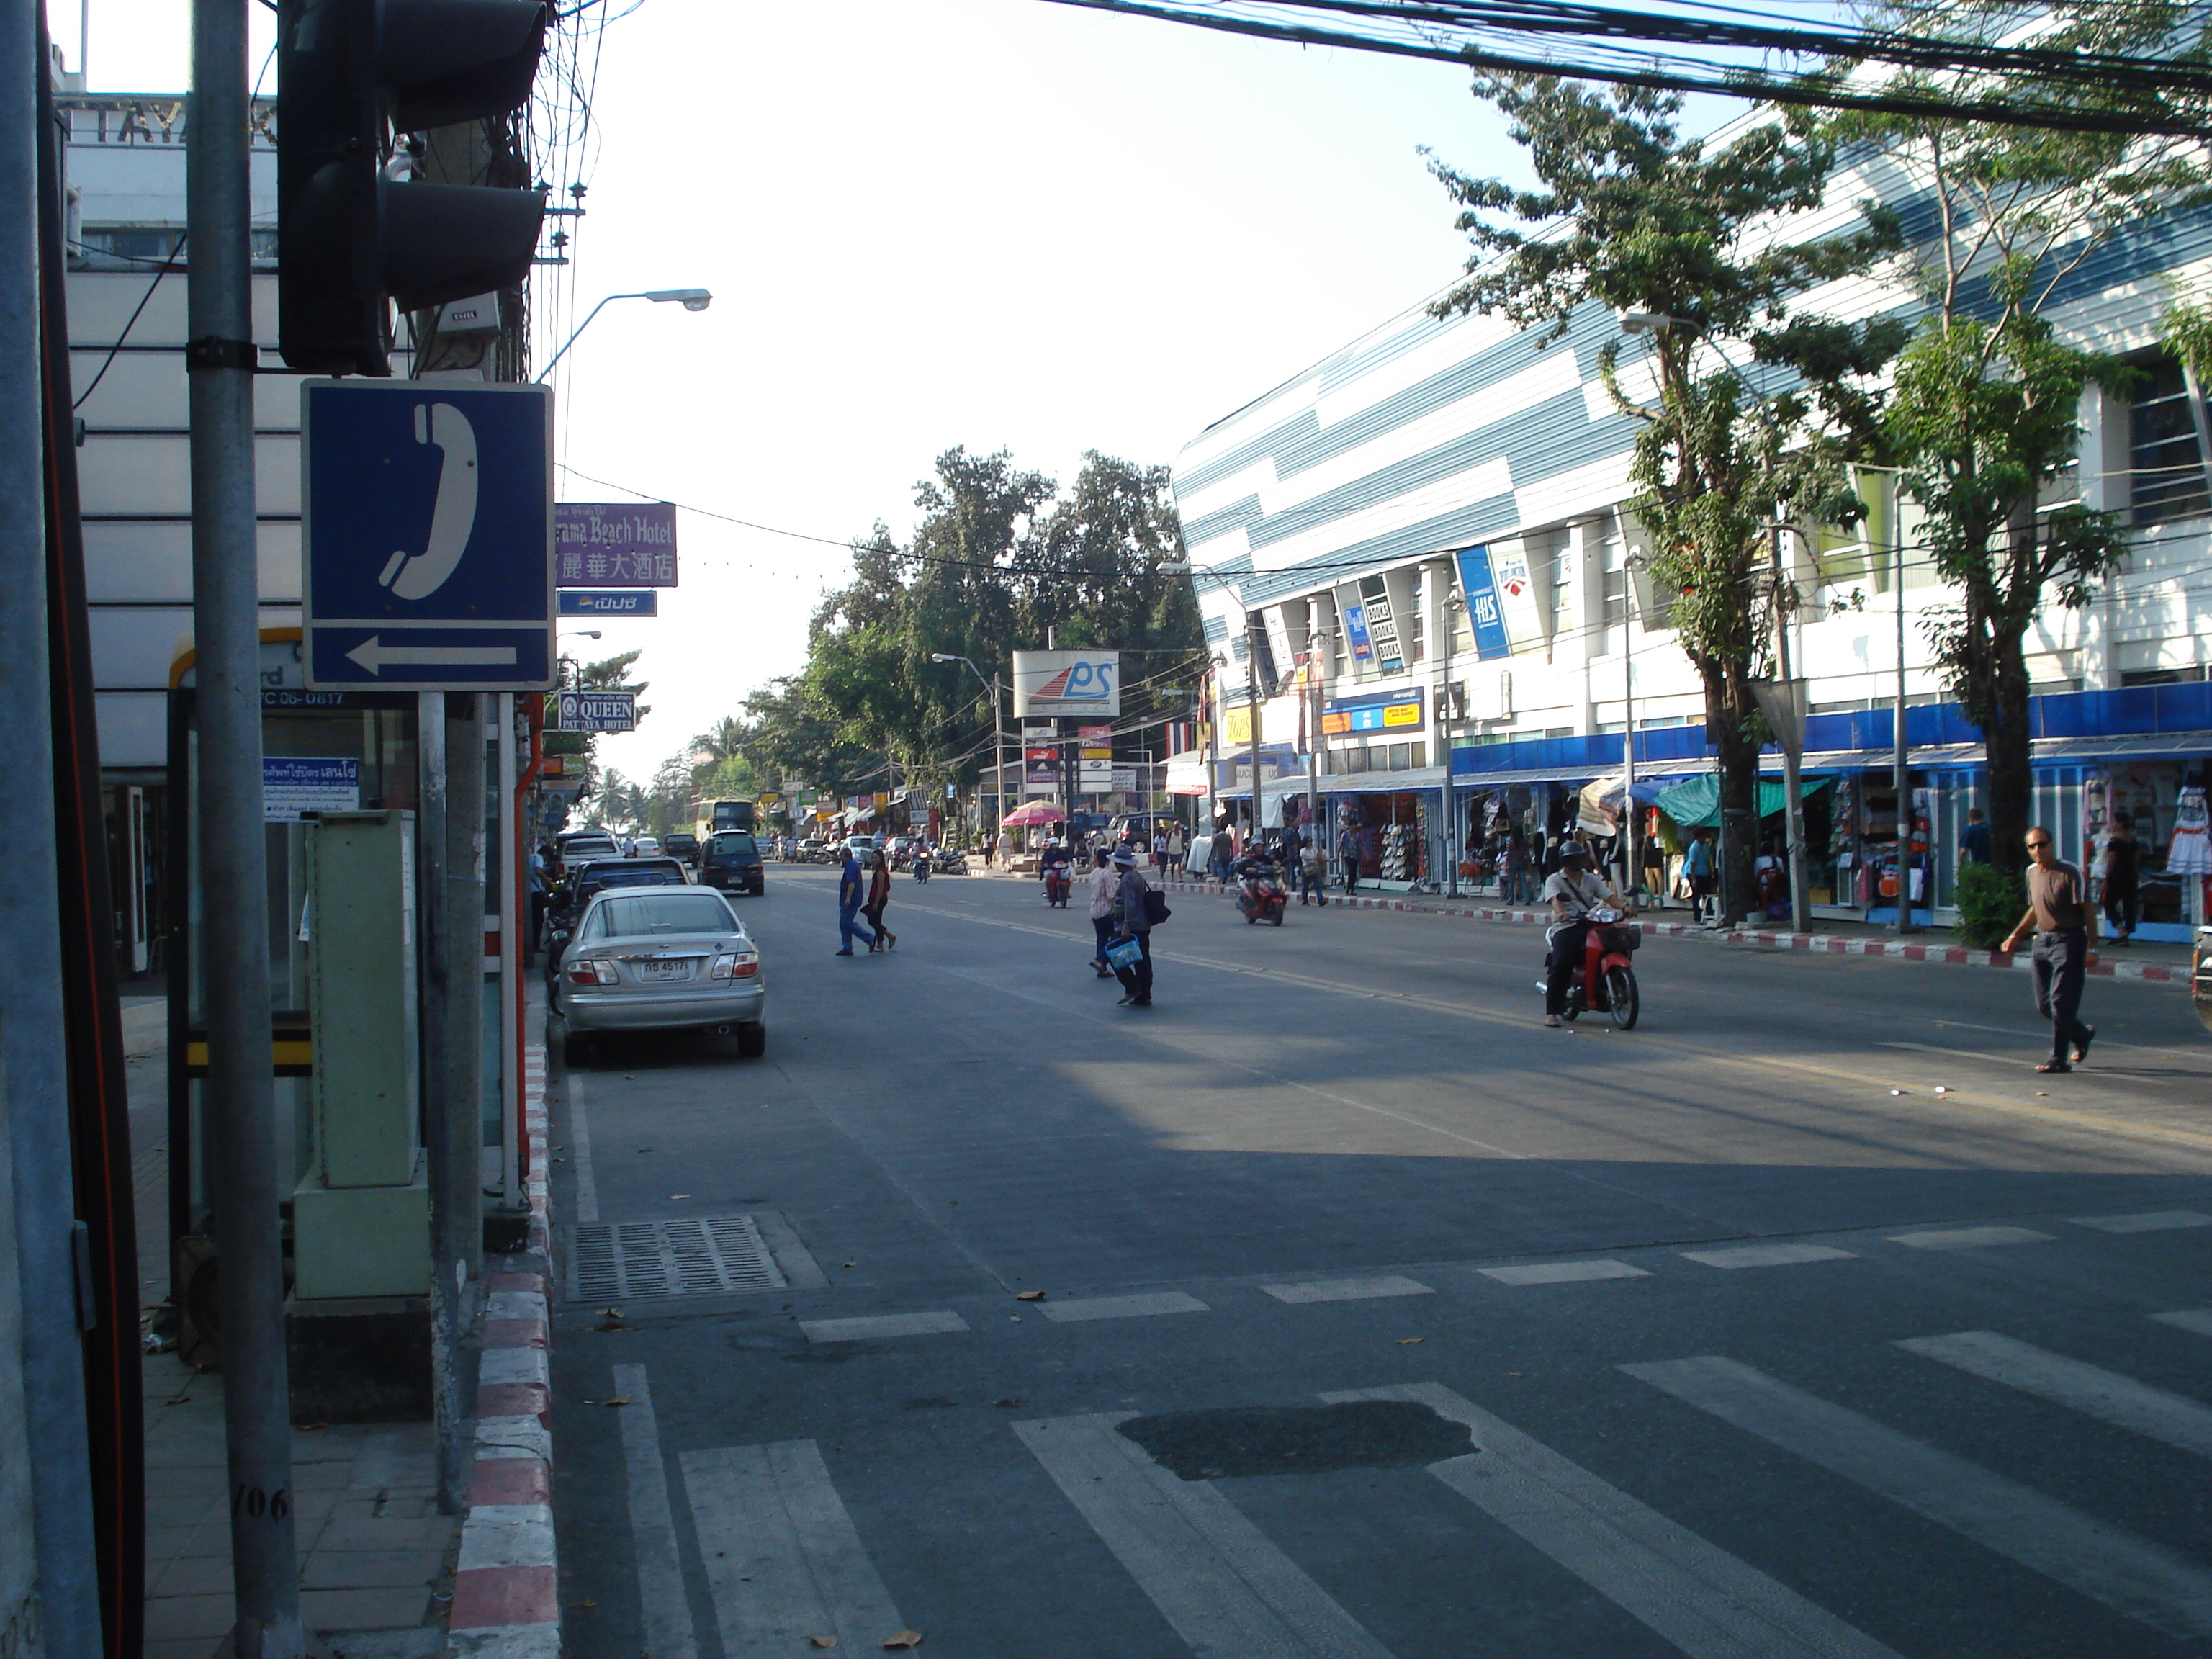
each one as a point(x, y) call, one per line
point(2151, 963)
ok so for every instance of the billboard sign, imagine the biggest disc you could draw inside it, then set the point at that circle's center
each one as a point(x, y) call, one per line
point(597, 711)
point(1485, 614)
point(1378, 711)
point(1355, 629)
point(615, 544)
point(1073, 683)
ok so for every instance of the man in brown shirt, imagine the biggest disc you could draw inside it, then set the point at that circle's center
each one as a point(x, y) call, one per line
point(2065, 928)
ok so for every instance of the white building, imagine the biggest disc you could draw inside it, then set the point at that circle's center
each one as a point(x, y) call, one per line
point(1351, 513)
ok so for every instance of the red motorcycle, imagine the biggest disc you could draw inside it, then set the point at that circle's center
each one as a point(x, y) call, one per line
point(1057, 883)
point(1605, 979)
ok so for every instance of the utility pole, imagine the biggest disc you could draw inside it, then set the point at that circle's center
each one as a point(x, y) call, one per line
point(1900, 760)
point(1631, 868)
point(1315, 644)
point(1252, 714)
point(1792, 736)
point(32, 1026)
point(239, 1092)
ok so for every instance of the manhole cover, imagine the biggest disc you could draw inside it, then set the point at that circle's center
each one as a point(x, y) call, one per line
point(691, 1255)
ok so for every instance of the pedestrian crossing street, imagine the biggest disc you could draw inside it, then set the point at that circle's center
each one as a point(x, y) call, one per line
point(1215, 1567)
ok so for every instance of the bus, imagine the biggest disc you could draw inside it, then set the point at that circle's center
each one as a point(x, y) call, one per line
point(710, 816)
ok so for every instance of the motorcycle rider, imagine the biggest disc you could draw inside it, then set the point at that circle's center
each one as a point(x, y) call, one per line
point(1573, 893)
point(1053, 866)
point(1253, 871)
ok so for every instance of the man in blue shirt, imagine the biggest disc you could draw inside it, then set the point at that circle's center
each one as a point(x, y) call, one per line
point(852, 890)
point(1974, 840)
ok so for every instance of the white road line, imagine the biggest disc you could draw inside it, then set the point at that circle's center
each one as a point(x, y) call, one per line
point(2198, 1319)
point(663, 1609)
point(1969, 1238)
point(1768, 1256)
point(1347, 1289)
point(1707, 1602)
point(784, 1563)
point(580, 1153)
point(869, 1326)
point(1561, 1272)
point(1962, 1053)
point(2149, 1221)
point(1227, 1590)
point(2133, 1575)
point(2180, 1422)
point(1142, 1306)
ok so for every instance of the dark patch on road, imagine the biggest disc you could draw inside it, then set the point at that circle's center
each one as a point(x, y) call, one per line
point(930, 1402)
point(1249, 1440)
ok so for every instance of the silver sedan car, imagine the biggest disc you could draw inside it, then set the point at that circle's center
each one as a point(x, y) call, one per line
point(659, 959)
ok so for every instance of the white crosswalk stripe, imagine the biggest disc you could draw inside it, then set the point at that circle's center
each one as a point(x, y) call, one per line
point(1228, 1592)
point(2181, 1422)
point(2130, 1574)
point(784, 1563)
point(1704, 1600)
point(2198, 1319)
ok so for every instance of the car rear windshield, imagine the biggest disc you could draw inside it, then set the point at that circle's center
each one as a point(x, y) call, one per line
point(592, 845)
point(736, 843)
point(663, 912)
point(633, 877)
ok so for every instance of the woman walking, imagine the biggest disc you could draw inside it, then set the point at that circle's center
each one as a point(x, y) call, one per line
point(879, 895)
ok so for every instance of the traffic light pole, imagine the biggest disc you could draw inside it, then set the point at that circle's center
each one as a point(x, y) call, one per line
point(240, 1100)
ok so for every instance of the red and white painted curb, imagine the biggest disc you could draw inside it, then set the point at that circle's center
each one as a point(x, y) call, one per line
point(1839, 945)
point(506, 1594)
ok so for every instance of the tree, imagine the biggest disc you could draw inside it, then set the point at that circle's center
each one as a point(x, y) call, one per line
point(1633, 217)
point(1983, 416)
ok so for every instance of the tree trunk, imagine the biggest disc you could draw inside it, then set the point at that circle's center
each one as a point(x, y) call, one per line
point(1725, 698)
point(2006, 739)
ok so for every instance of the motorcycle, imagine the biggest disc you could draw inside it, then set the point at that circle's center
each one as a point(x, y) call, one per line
point(921, 869)
point(1605, 979)
point(1057, 883)
point(1261, 896)
point(951, 862)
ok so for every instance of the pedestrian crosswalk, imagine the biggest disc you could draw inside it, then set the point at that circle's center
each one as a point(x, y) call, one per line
point(788, 1566)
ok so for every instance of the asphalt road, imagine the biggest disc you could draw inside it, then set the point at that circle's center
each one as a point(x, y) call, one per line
point(1377, 1320)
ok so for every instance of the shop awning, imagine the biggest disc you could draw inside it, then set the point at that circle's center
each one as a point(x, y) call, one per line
point(1695, 804)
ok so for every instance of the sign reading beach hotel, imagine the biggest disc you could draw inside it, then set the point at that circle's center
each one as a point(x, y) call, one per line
point(614, 543)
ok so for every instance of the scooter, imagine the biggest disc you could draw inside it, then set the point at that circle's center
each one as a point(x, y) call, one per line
point(921, 869)
point(1261, 897)
point(1057, 883)
point(1607, 947)
point(951, 862)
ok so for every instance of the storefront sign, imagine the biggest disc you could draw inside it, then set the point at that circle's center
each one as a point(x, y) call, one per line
point(1095, 734)
point(1377, 711)
point(1355, 629)
point(1484, 613)
point(293, 786)
point(631, 602)
point(615, 544)
point(1077, 682)
point(596, 711)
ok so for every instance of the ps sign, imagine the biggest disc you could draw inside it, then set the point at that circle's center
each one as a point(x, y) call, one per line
point(426, 524)
point(1077, 682)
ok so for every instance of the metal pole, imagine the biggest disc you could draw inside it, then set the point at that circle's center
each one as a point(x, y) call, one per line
point(32, 1033)
point(1904, 923)
point(440, 1074)
point(998, 770)
point(226, 614)
point(1314, 830)
point(1252, 715)
point(1631, 869)
point(457, 1207)
point(514, 950)
point(1793, 806)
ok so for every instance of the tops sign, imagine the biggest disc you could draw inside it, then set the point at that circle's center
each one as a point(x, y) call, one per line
point(1076, 682)
point(614, 543)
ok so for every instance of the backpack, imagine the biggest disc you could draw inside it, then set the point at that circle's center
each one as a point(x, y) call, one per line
point(1156, 907)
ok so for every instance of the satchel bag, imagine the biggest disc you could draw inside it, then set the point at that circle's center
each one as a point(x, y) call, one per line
point(1156, 907)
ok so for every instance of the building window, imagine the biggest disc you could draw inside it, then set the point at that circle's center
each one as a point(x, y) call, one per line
point(149, 247)
point(1565, 624)
point(2166, 456)
point(2162, 676)
point(1616, 598)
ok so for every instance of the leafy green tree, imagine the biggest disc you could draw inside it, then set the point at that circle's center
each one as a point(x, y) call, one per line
point(1634, 217)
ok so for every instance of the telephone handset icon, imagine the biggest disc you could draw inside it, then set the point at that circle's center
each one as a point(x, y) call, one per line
point(417, 575)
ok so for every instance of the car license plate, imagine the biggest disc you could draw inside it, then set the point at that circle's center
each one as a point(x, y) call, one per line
point(664, 970)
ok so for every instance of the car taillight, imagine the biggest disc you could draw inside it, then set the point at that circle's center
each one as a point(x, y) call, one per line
point(734, 965)
point(594, 973)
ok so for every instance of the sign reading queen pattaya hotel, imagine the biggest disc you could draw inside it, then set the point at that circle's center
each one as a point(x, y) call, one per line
point(614, 545)
point(1073, 683)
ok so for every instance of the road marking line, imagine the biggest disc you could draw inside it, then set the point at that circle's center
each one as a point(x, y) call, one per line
point(1969, 1238)
point(2150, 1221)
point(2181, 1422)
point(2198, 1319)
point(1768, 1256)
point(1961, 1054)
point(1709, 1604)
point(1142, 1306)
point(1347, 1289)
point(867, 1326)
point(663, 1609)
point(580, 1153)
point(2130, 1574)
point(784, 1562)
point(1217, 1578)
point(1561, 1272)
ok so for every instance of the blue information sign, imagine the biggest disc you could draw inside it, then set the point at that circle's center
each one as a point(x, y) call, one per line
point(1355, 629)
point(1482, 609)
point(427, 526)
point(613, 602)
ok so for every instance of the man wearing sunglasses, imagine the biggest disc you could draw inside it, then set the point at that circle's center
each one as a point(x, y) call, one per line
point(2065, 928)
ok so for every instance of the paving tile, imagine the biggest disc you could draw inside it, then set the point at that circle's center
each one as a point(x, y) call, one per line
point(212, 1539)
point(333, 1570)
point(183, 1510)
point(189, 1575)
point(364, 1609)
point(205, 1617)
point(433, 1533)
point(322, 1477)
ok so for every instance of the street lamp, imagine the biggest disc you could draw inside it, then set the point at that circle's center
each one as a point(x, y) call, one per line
point(691, 299)
point(998, 733)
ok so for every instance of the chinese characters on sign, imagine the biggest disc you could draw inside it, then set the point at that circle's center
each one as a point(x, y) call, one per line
point(614, 543)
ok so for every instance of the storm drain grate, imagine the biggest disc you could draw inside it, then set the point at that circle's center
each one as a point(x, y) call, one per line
point(691, 1255)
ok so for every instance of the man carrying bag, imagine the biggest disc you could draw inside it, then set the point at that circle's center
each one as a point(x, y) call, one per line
point(1136, 909)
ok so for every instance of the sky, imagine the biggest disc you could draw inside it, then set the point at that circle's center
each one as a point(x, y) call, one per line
point(996, 223)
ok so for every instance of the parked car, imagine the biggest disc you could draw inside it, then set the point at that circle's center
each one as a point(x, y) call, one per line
point(813, 850)
point(582, 885)
point(731, 863)
point(581, 847)
point(682, 844)
point(646, 847)
point(657, 961)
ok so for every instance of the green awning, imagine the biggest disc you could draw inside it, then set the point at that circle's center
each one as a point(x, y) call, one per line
point(1695, 803)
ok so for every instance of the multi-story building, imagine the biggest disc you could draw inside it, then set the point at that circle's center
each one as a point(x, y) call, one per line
point(1342, 524)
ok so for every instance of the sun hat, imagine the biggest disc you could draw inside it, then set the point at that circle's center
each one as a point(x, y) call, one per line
point(1125, 858)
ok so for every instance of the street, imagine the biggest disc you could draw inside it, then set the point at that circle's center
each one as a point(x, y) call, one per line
point(1375, 1319)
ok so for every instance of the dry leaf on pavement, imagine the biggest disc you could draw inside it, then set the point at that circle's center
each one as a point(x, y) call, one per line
point(1405, 1341)
point(619, 1400)
point(673, 1197)
point(824, 1641)
point(905, 1638)
point(1029, 1296)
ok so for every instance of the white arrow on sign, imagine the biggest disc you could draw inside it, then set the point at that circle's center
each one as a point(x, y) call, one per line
point(371, 654)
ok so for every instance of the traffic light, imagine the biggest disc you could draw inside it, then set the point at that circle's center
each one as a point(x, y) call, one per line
point(352, 240)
